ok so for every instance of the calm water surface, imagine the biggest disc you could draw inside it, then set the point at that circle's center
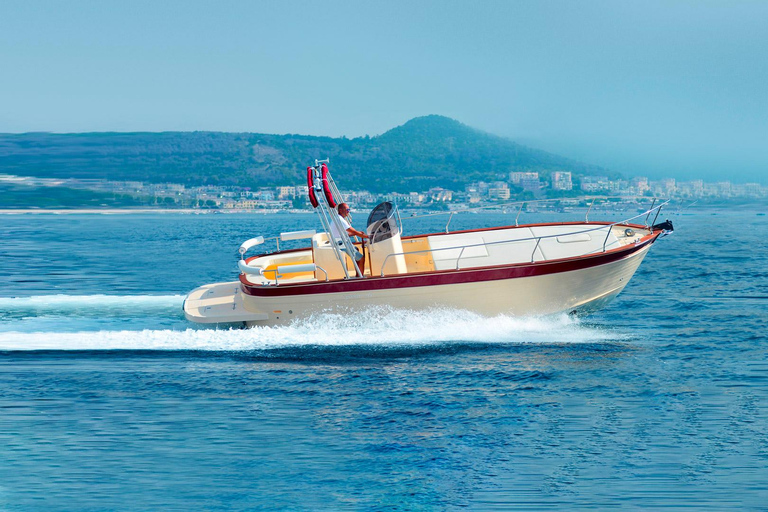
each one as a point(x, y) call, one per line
point(109, 399)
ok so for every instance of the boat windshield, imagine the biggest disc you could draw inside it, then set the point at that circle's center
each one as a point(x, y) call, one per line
point(382, 224)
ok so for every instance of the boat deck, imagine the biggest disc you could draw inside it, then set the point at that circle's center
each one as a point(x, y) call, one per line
point(460, 250)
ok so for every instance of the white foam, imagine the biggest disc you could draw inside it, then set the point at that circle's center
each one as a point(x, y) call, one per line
point(382, 327)
point(99, 302)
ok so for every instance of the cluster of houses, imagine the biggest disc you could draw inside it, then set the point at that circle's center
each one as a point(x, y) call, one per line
point(527, 185)
point(480, 193)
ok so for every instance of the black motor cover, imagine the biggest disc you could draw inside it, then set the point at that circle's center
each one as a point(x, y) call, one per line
point(663, 226)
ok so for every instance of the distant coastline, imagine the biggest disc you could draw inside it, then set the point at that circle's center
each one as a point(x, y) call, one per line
point(430, 162)
point(758, 206)
point(124, 211)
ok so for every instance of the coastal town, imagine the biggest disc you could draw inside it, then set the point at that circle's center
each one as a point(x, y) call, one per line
point(519, 186)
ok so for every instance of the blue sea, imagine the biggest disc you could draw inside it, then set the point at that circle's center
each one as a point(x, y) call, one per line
point(110, 400)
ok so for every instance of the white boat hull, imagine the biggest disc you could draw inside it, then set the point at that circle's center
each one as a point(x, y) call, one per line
point(579, 290)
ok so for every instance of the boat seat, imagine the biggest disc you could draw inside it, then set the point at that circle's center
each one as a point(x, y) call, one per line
point(325, 256)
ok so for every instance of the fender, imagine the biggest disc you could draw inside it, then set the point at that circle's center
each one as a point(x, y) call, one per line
point(327, 186)
point(311, 188)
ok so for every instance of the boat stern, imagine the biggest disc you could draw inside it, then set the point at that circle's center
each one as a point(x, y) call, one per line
point(219, 303)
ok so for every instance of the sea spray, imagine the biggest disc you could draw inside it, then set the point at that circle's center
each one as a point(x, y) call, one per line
point(87, 305)
point(373, 327)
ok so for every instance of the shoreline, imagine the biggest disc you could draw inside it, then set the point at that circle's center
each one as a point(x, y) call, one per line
point(129, 211)
point(758, 206)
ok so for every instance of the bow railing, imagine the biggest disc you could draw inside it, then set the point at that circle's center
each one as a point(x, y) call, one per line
point(588, 201)
point(538, 239)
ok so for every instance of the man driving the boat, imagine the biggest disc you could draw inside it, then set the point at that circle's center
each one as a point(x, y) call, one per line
point(343, 211)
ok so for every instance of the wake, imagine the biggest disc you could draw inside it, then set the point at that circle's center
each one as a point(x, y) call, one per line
point(374, 327)
point(89, 305)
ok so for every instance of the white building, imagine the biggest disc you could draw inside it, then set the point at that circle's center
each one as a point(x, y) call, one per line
point(561, 180)
point(639, 185)
point(518, 177)
point(286, 192)
point(440, 194)
point(595, 183)
point(499, 191)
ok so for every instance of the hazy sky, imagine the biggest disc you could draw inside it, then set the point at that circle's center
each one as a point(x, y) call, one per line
point(673, 88)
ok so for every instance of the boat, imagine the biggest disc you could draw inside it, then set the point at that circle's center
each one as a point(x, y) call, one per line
point(518, 270)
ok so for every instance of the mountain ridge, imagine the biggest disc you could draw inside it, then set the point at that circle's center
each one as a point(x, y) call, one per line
point(424, 152)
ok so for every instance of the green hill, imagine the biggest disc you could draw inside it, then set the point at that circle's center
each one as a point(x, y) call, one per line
point(424, 152)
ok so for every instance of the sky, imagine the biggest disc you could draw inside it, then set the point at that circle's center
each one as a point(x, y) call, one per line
point(653, 88)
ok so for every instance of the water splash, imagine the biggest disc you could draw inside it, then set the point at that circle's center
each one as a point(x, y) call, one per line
point(373, 327)
point(88, 305)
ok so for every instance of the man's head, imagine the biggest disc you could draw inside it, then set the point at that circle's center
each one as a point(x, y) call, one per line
point(343, 209)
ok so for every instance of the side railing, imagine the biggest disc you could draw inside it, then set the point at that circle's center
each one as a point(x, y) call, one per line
point(282, 269)
point(538, 239)
point(290, 235)
point(520, 205)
